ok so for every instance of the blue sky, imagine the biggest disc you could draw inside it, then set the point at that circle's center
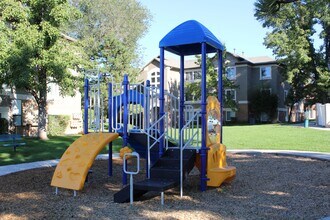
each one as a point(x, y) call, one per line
point(231, 21)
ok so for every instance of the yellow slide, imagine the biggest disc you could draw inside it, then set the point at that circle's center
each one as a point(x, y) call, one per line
point(73, 167)
point(217, 169)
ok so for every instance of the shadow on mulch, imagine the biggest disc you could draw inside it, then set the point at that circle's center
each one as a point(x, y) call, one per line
point(266, 186)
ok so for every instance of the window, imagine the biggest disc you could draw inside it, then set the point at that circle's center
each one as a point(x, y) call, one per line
point(155, 79)
point(285, 94)
point(17, 112)
point(189, 76)
point(230, 94)
point(17, 120)
point(197, 75)
point(231, 73)
point(230, 115)
point(265, 72)
point(193, 75)
point(264, 117)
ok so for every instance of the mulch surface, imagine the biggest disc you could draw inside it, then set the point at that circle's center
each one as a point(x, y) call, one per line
point(267, 186)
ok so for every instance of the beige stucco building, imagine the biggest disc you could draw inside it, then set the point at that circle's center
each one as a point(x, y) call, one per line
point(19, 111)
point(248, 74)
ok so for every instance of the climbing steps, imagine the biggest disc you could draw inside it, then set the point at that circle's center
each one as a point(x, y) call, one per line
point(164, 175)
point(139, 141)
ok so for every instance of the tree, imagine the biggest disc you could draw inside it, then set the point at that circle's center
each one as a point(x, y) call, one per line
point(262, 101)
point(293, 28)
point(193, 89)
point(34, 52)
point(109, 31)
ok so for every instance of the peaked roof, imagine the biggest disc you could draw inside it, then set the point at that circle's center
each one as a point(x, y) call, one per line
point(253, 60)
point(186, 39)
point(261, 59)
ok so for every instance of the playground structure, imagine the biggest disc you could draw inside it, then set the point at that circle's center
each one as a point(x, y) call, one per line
point(169, 134)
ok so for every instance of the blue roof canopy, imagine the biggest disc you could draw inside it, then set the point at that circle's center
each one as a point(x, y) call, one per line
point(186, 39)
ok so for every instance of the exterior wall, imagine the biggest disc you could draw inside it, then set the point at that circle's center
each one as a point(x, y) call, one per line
point(143, 76)
point(242, 114)
point(12, 108)
point(323, 115)
point(172, 80)
point(257, 84)
point(248, 81)
point(171, 76)
point(282, 90)
point(242, 83)
point(276, 85)
point(70, 106)
point(27, 110)
point(4, 107)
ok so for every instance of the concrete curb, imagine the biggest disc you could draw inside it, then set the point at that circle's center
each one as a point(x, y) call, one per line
point(5, 170)
point(307, 154)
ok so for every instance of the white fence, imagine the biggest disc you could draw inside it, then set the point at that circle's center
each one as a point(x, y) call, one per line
point(323, 114)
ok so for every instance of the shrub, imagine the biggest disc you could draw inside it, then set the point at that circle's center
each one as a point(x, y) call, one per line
point(263, 102)
point(57, 124)
point(3, 126)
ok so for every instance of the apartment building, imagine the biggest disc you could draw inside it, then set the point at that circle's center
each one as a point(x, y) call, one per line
point(248, 74)
point(19, 110)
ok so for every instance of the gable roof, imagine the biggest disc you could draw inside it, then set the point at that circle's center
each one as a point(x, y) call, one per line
point(171, 62)
point(186, 39)
point(253, 60)
point(261, 59)
point(191, 64)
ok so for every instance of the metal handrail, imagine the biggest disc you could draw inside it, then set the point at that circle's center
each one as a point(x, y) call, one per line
point(116, 89)
point(155, 138)
point(183, 146)
point(95, 119)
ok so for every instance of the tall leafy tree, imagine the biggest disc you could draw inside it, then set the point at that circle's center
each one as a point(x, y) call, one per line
point(293, 30)
point(34, 52)
point(109, 31)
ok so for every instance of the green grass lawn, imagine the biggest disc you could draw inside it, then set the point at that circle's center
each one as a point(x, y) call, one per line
point(276, 137)
point(37, 150)
point(267, 137)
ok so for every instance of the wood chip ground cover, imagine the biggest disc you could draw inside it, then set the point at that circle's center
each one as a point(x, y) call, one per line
point(266, 187)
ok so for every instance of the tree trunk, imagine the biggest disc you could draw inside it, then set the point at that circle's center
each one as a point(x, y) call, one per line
point(290, 114)
point(42, 111)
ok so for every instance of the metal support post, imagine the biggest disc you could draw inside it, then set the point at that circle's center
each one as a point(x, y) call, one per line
point(182, 97)
point(220, 90)
point(86, 105)
point(203, 150)
point(125, 120)
point(110, 128)
point(147, 121)
point(161, 101)
point(162, 198)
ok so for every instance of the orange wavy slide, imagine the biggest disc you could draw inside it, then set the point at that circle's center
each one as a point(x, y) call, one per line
point(73, 167)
